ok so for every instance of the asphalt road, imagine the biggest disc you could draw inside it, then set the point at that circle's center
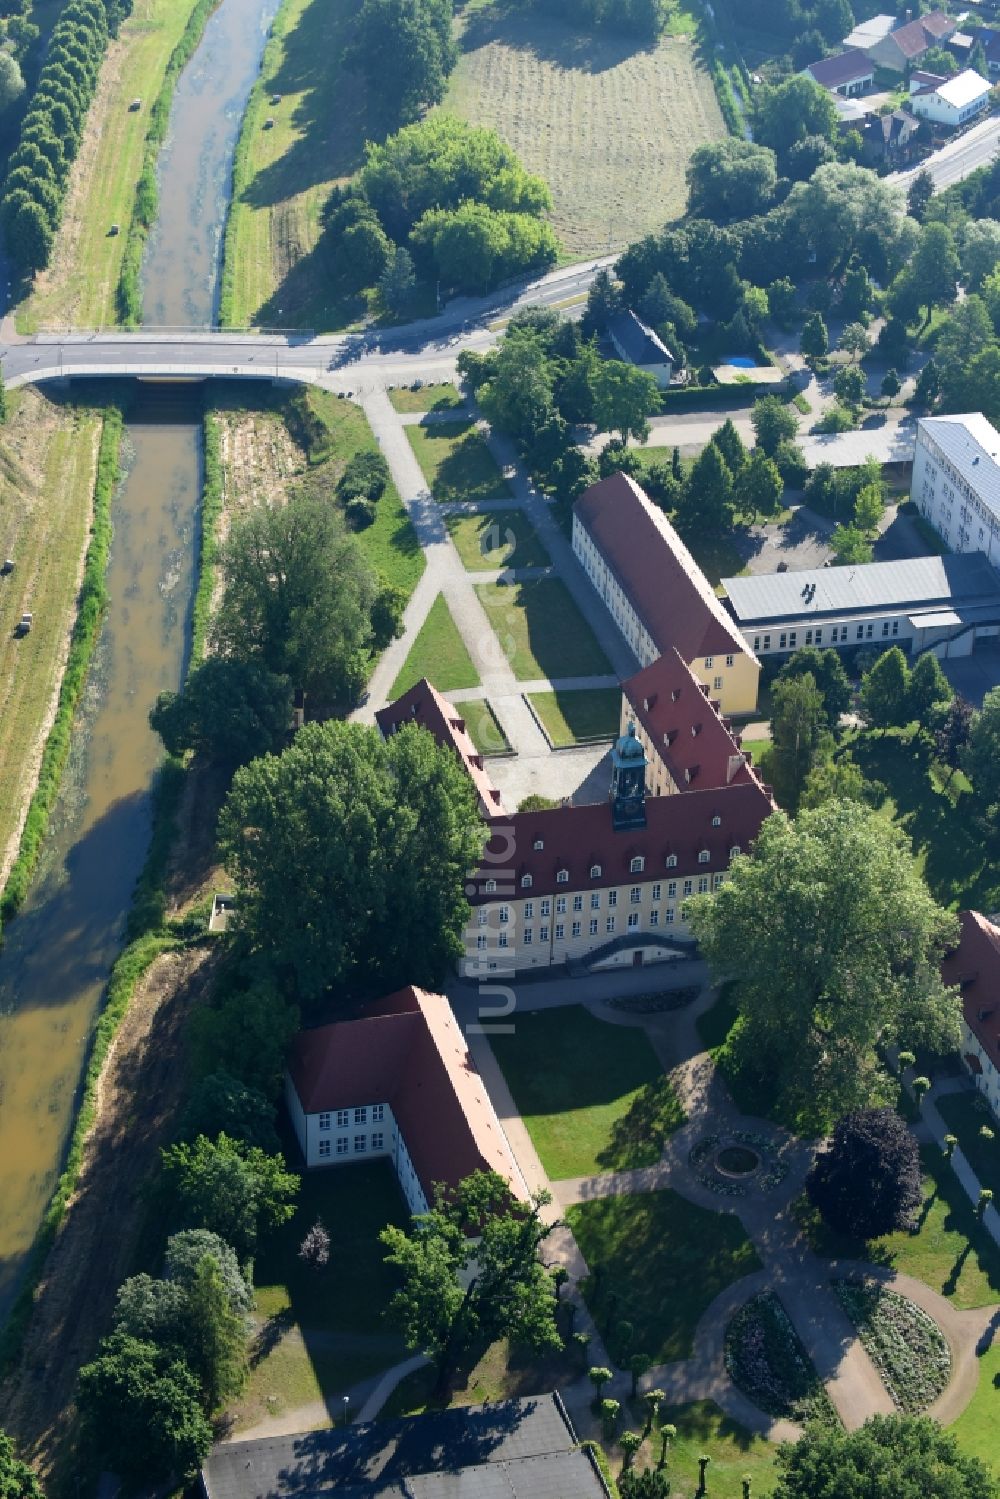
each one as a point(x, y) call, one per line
point(420, 349)
point(959, 158)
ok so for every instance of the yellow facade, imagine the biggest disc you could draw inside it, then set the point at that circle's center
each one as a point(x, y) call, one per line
point(732, 680)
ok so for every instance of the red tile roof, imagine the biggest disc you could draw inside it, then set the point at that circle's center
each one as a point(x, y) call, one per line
point(694, 741)
point(974, 966)
point(424, 705)
point(576, 839)
point(843, 67)
point(664, 584)
point(915, 37)
point(408, 1051)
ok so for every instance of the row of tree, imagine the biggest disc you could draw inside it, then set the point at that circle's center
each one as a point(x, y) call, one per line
point(406, 50)
point(38, 170)
point(442, 200)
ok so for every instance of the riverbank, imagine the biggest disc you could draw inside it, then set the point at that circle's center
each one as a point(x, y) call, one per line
point(48, 468)
point(80, 287)
point(284, 173)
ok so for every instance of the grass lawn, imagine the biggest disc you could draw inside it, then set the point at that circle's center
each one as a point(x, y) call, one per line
point(976, 1427)
point(965, 1115)
point(428, 398)
point(322, 1331)
point(608, 122)
point(959, 864)
point(284, 175)
point(593, 1096)
point(484, 727)
point(501, 538)
point(717, 556)
point(456, 462)
point(541, 630)
point(79, 286)
point(657, 1261)
point(951, 1252)
point(48, 455)
point(703, 1429)
point(438, 653)
point(572, 716)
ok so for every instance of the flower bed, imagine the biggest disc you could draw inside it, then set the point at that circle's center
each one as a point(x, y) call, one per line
point(765, 1360)
point(704, 1158)
point(906, 1346)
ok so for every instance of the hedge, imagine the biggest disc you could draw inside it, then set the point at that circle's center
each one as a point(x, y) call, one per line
point(146, 202)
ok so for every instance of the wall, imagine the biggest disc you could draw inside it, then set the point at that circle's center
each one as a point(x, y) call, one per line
point(949, 501)
point(988, 1082)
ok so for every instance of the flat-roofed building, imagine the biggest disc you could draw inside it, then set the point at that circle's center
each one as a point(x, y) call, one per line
point(657, 594)
point(956, 481)
point(942, 604)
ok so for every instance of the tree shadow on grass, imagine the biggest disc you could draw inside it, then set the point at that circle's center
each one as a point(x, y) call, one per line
point(467, 471)
point(638, 1137)
point(270, 1335)
point(551, 39)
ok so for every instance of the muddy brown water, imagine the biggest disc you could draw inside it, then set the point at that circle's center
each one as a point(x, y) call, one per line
point(57, 954)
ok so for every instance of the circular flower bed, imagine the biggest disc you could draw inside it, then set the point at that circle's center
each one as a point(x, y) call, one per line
point(906, 1346)
point(719, 1161)
point(737, 1160)
point(765, 1359)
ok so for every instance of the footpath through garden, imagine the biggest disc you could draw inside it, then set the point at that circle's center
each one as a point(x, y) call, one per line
point(790, 1268)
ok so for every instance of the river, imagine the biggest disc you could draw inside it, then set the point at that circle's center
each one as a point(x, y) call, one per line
point(58, 952)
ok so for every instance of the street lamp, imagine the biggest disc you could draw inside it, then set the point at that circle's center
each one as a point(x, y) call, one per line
point(347, 1402)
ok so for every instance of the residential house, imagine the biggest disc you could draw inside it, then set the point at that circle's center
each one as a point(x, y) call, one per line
point(637, 344)
point(656, 592)
point(956, 481)
point(943, 604)
point(844, 73)
point(989, 39)
point(974, 967)
point(689, 745)
point(867, 33)
point(954, 102)
point(890, 138)
point(424, 705)
point(606, 885)
point(904, 46)
point(397, 1083)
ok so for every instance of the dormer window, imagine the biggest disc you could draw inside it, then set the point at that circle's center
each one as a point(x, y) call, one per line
point(490, 887)
point(716, 821)
point(595, 871)
point(637, 865)
point(538, 844)
point(562, 877)
point(703, 856)
point(695, 729)
point(671, 861)
point(675, 694)
point(734, 851)
point(526, 882)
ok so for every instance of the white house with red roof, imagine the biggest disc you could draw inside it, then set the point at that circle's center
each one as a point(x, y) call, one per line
point(656, 592)
point(397, 1083)
point(974, 967)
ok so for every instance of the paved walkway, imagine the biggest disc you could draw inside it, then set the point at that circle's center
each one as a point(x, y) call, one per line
point(789, 1267)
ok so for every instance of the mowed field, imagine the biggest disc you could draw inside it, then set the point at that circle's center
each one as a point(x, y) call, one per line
point(609, 127)
point(48, 458)
point(78, 288)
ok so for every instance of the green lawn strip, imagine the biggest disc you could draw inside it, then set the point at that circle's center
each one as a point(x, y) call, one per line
point(484, 727)
point(704, 1430)
point(541, 630)
point(294, 1374)
point(657, 1261)
point(572, 716)
point(951, 1252)
point(428, 398)
point(592, 1095)
point(456, 462)
point(962, 868)
point(438, 653)
point(976, 1427)
point(501, 538)
point(965, 1114)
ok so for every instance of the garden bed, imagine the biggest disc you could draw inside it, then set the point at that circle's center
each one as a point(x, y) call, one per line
point(766, 1360)
point(906, 1346)
point(719, 1161)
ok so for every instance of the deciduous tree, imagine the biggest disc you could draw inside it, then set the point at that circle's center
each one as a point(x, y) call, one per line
point(836, 944)
point(228, 710)
point(827, 671)
point(909, 1457)
point(471, 1273)
point(141, 1412)
point(236, 1191)
point(624, 399)
point(981, 757)
point(800, 738)
point(773, 423)
point(18, 1480)
point(885, 689)
point(866, 1182)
